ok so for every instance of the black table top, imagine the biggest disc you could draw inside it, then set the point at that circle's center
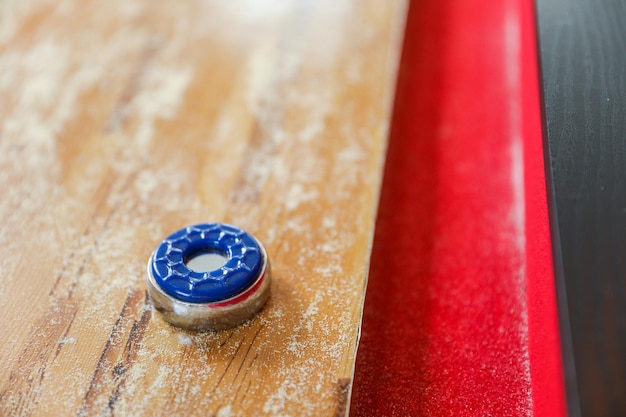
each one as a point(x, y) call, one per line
point(583, 58)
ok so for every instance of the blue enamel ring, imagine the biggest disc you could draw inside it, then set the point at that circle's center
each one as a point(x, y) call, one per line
point(208, 276)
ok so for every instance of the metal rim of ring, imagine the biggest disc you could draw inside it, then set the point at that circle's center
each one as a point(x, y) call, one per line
point(215, 314)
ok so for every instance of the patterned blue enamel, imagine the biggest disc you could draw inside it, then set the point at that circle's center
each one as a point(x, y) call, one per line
point(242, 268)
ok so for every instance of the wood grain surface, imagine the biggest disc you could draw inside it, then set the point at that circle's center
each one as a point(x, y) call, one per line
point(123, 121)
point(584, 81)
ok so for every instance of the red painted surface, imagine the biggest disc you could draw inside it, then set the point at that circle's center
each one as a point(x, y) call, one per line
point(460, 314)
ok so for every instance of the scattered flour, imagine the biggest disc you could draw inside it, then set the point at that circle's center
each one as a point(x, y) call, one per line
point(226, 411)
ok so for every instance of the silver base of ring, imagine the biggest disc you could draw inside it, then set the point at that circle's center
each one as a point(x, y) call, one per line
point(220, 315)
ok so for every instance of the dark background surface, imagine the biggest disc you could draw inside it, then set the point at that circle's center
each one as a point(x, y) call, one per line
point(583, 58)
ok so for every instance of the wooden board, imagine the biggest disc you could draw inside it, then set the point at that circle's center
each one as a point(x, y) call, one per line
point(584, 84)
point(123, 121)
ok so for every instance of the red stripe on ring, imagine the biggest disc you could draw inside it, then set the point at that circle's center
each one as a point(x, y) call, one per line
point(241, 297)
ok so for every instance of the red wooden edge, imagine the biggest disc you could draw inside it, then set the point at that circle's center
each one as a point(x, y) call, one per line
point(460, 314)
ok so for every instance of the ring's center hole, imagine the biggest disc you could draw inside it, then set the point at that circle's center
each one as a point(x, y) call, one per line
point(206, 260)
